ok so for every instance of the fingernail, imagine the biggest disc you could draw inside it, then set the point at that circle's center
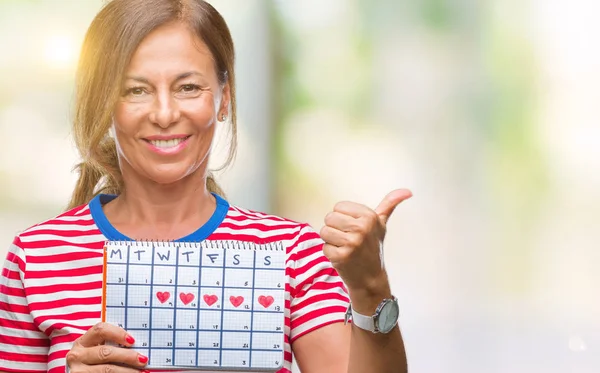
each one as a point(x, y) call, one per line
point(143, 359)
point(130, 339)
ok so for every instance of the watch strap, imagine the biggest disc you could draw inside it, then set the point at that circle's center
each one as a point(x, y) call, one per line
point(361, 321)
point(368, 323)
point(364, 322)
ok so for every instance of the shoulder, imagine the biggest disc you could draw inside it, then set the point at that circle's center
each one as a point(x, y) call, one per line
point(298, 235)
point(67, 225)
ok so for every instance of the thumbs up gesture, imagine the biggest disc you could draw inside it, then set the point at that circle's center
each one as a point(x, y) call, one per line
point(353, 235)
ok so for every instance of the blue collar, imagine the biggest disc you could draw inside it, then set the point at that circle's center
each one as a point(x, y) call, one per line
point(111, 233)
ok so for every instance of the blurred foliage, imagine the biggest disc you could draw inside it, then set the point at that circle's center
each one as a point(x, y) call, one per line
point(436, 14)
point(516, 172)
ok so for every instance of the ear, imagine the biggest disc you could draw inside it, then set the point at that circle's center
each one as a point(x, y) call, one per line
point(225, 101)
point(110, 134)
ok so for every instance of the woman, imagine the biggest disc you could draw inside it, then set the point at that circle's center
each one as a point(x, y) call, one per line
point(155, 79)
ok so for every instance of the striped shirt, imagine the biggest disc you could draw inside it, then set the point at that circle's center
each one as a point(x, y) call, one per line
point(51, 282)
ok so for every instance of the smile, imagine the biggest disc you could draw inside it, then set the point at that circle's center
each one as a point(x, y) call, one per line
point(165, 144)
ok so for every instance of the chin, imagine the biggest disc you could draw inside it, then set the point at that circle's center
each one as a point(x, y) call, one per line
point(169, 175)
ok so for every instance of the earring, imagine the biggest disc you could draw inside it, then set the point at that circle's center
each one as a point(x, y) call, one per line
point(223, 117)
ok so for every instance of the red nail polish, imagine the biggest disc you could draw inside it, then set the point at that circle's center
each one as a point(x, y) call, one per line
point(130, 339)
point(143, 359)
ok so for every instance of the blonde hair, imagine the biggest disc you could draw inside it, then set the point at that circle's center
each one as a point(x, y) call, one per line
point(109, 44)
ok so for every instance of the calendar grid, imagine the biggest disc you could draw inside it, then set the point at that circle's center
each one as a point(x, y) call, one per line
point(238, 311)
point(151, 301)
point(198, 316)
point(175, 306)
point(126, 289)
point(237, 324)
point(222, 310)
point(252, 314)
point(192, 266)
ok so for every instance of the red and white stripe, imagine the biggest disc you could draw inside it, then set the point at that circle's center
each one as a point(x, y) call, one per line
point(51, 284)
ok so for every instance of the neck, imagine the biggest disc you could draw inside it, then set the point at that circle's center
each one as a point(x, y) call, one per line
point(161, 211)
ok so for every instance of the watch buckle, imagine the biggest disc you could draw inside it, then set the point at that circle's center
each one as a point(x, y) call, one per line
point(348, 314)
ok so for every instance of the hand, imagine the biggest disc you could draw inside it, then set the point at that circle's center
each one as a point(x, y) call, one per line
point(353, 236)
point(89, 354)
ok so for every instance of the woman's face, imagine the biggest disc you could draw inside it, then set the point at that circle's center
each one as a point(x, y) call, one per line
point(164, 122)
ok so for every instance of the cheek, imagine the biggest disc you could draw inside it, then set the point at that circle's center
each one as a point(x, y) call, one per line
point(127, 117)
point(201, 111)
point(125, 127)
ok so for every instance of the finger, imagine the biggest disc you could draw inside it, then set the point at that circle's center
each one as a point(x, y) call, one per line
point(103, 332)
point(336, 254)
point(102, 368)
point(336, 237)
point(342, 222)
point(352, 209)
point(389, 203)
point(104, 354)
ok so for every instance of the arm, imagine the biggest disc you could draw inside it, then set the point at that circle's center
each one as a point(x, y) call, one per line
point(23, 347)
point(370, 352)
point(340, 348)
point(353, 236)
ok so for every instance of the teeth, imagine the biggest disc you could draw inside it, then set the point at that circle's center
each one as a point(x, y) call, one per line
point(166, 143)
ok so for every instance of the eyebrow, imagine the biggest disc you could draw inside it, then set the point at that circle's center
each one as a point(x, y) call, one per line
point(179, 77)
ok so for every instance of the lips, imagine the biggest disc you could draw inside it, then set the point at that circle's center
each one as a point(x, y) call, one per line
point(165, 144)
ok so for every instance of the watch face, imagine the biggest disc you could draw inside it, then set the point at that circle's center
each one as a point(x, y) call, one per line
point(388, 317)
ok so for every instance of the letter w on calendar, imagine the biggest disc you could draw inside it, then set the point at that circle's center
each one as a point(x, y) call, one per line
point(204, 306)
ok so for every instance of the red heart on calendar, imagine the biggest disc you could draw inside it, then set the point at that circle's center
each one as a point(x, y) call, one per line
point(266, 301)
point(163, 296)
point(210, 299)
point(186, 298)
point(236, 301)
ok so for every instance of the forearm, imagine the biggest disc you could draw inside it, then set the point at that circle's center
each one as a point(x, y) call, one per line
point(375, 352)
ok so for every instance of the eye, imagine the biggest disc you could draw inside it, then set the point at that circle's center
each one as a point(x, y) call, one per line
point(189, 88)
point(135, 91)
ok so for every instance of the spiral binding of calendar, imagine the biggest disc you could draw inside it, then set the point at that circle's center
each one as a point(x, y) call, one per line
point(212, 244)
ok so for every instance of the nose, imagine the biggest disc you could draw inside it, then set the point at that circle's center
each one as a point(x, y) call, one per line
point(165, 111)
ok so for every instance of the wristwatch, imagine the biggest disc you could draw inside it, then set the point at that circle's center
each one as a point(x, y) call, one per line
point(383, 320)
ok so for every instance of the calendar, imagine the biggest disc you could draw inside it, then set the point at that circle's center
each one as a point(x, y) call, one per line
point(204, 306)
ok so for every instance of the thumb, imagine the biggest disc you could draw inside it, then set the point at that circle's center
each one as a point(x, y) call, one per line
point(389, 203)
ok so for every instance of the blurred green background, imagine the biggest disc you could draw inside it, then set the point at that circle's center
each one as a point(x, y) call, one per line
point(487, 110)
